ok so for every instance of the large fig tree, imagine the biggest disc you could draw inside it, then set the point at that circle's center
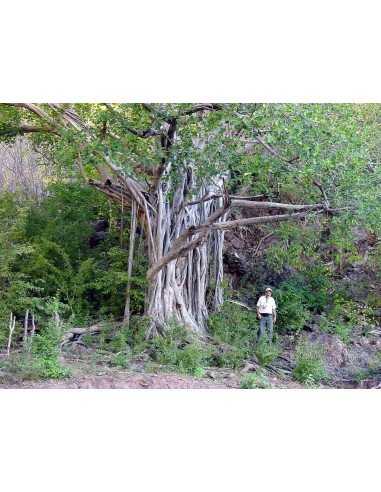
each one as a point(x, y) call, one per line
point(185, 171)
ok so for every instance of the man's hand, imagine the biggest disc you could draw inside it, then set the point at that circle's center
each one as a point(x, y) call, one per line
point(274, 319)
point(259, 316)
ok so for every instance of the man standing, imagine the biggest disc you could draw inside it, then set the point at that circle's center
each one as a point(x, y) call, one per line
point(266, 311)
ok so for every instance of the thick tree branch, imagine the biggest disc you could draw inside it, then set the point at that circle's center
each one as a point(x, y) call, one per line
point(36, 110)
point(68, 115)
point(198, 108)
point(230, 224)
point(22, 130)
point(274, 205)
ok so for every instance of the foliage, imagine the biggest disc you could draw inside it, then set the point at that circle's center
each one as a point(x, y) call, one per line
point(121, 360)
point(309, 367)
point(266, 353)
point(52, 249)
point(300, 296)
point(46, 346)
point(177, 349)
point(225, 355)
point(342, 330)
point(291, 300)
point(255, 380)
point(236, 327)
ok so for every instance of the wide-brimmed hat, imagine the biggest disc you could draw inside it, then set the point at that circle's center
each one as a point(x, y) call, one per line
point(268, 288)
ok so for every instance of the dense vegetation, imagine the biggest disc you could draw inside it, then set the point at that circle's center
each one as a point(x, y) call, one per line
point(65, 248)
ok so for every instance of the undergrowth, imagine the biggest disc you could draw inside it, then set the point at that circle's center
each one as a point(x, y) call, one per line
point(309, 368)
point(255, 380)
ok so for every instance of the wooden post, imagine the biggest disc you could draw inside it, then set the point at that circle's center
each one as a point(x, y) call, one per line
point(26, 326)
point(12, 324)
point(31, 335)
point(126, 318)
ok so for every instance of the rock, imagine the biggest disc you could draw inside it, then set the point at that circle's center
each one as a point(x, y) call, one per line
point(2, 374)
point(254, 358)
point(335, 352)
point(210, 374)
point(237, 243)
point(362, 234)
point(248, 367)
point(310, 327)
point(364, 342)
point(378, 345)
point(377, 313)
point(137, 368)
point(365, 384)
point(230, 375)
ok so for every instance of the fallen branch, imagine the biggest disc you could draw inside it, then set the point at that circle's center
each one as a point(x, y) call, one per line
point(72, 333)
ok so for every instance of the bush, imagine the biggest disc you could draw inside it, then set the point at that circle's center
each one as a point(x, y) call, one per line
point(255, 380)
point(309, 368)
point(47, 348)
point(120, 360)
point(266, 353)
point(224, 355)
point(342, 330)
point(178, 349)
point(235, 330)
point(291, 297)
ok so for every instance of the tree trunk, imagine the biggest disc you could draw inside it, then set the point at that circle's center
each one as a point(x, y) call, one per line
point(189, 286)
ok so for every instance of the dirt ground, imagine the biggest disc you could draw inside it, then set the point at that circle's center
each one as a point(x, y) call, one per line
point(88, 372)
point(137, 380)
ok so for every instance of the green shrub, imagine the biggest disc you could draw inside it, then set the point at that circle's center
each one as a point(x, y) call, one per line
point(191, 359)
point(47, 348)
point(234, 330)
point(199, 372)
point(21, 367)
point(342, 330)
point(255, 380)
point(224, 355)
point(292, 301)
point(178, 349)
point(266, 353)
point(309, 367)
point(120, 360)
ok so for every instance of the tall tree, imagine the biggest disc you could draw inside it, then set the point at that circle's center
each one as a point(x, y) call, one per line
point(181, 166)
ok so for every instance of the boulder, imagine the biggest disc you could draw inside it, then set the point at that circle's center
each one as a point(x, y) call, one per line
point(310, 327)
point(335, 352)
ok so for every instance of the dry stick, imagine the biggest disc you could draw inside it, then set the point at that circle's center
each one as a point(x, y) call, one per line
point(57, 321)
point(26, 326)
point(260, 242)
point(12, 323)
point(31, 335)
point(126, 318)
